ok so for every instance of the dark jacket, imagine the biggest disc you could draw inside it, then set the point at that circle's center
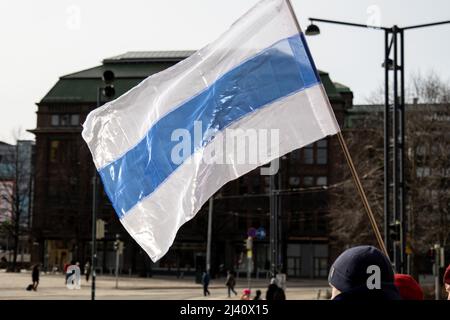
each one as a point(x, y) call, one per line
point(205, 279)
point(271, 291)
point(35, 274)
point(231, 282)
point(279, 294)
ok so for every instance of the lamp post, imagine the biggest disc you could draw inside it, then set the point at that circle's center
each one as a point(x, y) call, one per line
point(396, 130)
point(107, 91)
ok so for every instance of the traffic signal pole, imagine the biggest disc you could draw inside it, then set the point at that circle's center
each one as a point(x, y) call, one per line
point(395, 217)
point(108, 91)
point(117, 248)
point(209, 239)
point(94, 215)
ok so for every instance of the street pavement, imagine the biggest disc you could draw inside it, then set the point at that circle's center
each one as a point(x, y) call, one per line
point(52, 287)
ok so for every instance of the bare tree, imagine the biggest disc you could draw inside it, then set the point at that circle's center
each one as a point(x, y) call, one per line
point(349, 225)
point(15, 186)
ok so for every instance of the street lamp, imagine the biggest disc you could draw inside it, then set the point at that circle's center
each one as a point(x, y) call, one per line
point(312, 30)
point(396, 35)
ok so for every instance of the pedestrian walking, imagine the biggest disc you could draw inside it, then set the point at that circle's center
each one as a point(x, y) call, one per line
point(230, 283)
point(350, 275)
point(35, 276)
point(87, 270)
point(205, 282)
point(66, 275)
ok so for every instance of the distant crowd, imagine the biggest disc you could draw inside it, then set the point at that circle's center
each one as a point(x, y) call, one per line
point(359, 273)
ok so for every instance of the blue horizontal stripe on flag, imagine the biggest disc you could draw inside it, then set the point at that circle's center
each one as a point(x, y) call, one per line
point(278, 71)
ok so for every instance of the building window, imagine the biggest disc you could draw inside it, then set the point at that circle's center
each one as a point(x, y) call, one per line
point(74, 119)
point(294, 181)
point(322, 152)
point(65, 120)
point(55, 119)
point(320, 267)
point(322, 181)
point(294, 156)
point(308, 181)
point(316, 153)
point(308, 154)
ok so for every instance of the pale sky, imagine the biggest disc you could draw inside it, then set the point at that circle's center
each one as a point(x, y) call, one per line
point(43, 40)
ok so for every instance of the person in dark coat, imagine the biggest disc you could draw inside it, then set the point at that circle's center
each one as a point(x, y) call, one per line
point(87, 270)
point(230, 283)
point(258, 295)
point(279, 294)
point(205, 282)
point(271, 289)
point(352, 273)
point(35, 276)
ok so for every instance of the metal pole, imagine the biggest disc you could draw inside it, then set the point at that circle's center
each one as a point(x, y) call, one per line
point(208, 243)
point(350, 24)
point(117, 260)
point(94, 231)
point(279, 241)
point(402, 157)
point(395, 172)
point(386, 143)
point(273, 227)
point(437, 278)
point(94, 216)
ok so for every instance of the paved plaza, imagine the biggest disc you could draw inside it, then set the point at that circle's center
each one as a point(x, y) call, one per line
point(52, 287)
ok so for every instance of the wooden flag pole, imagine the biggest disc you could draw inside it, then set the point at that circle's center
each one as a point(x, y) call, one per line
point(362, 194)
point(351, 165)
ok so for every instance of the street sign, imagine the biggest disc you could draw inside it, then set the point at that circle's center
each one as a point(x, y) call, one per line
point(260, 233)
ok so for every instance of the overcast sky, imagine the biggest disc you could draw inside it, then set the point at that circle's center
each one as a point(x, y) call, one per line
point(42, 40)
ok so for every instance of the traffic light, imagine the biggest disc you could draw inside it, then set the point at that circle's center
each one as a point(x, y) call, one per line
point(108, 78)
point(116, 245)
point(394, 231)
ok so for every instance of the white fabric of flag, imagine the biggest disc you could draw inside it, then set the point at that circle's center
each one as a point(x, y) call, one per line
point(167, 145)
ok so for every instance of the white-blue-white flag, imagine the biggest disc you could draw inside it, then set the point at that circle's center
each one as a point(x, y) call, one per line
point(165, 147)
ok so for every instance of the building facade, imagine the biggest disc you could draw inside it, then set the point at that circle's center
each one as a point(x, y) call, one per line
point(63, 190)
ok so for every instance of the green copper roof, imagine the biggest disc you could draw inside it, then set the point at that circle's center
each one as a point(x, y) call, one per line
point(130, 69)
point(342, 88)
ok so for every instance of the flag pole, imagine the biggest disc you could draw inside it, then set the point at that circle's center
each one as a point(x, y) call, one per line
point(362, 193)
point(355, 176)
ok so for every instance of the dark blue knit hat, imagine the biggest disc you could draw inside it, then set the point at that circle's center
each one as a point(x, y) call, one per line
point(349, 271)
